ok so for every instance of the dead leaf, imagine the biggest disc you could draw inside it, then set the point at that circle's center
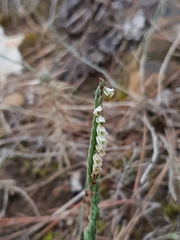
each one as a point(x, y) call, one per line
point(134, 81)
point(14, 99)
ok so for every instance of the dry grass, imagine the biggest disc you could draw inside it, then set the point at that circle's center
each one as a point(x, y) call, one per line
point(45, 137)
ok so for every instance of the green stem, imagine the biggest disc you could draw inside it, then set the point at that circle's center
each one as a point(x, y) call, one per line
point(93, 185)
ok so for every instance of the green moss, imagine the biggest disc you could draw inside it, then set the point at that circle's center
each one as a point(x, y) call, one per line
point(105, 191)
point(48, 236)
point(119, 95)
point(40, 171)
point(100, 224)
point(5, 21)
point(10, 19)
point(29, 41)
point(136, 234)
point(26, 165)
point(55, 165)
point(118, 164)
point(171, 209)
point(45, 170)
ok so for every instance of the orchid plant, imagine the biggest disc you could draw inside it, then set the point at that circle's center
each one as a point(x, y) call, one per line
point(96, 151)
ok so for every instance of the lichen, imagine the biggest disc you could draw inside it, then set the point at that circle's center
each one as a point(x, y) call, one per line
point(171, 209)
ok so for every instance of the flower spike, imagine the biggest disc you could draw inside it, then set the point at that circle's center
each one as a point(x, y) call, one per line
point(96, 151)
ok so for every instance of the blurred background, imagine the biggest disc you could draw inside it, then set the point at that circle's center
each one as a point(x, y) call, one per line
point(51, 55)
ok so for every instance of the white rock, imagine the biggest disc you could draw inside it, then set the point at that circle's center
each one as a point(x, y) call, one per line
point(10, 57)
point(134, 30)
point(75, 182)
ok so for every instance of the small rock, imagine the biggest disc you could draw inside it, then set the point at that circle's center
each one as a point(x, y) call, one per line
point(75, 181)
point(10, 57)
point(134, 30)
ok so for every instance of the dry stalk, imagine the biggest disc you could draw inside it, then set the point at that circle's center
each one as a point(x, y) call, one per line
point(165, 64)
point(10, 188)
point(141, 159)
point(172, 164)
point(147, 39)
point(126, 230)
point(155, 150)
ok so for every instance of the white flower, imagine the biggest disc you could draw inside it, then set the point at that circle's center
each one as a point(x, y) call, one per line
point(101, 131)
point(101, 141)
point(97, 110)
point(100, 119)
point(96, 169)
point(108, 91)
point(100, 149)
point(101, 128)
point(97, 160)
